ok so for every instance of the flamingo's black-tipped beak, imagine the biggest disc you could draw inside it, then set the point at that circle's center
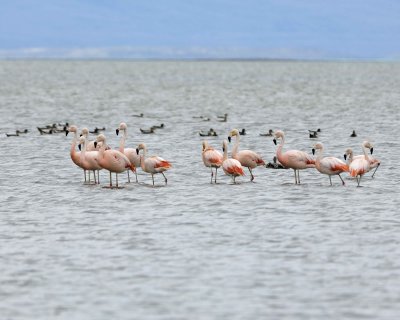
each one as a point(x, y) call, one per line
point(345, 156)
point(79, 147)
point(372, 150)
point(80, 135)
point(95, 144)
point(117, 131)
point(137, 150)
point(223, 149)
point(66, 132)
point(229, 139)
point(313, 151)
point(274, 141)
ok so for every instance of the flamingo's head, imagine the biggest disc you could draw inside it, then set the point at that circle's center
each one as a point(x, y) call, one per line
point(369, 146)
point(348, 153)
point(317, 146)
point(234, 132)
point(278, 134)
point(85, 132)
point(122, 126)
point(71, 129)
point(141, 146)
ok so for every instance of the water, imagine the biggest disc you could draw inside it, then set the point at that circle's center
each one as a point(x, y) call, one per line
point(191, 250)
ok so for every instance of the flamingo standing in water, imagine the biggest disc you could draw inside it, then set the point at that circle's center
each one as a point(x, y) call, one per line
point(349, 157)
point(131, 154)
point(231, 167)
point(211, 158)
point(112, 160)
point(329, 165)
point(361, 165)
point(75, 156)
point(154, 164)
point(295, 159)
point(89, 159)
point(247, 158)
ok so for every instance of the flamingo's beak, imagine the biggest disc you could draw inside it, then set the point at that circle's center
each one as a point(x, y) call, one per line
point(66, 132)
point(95, 144)
point(79, 147)
point(137, 150)
point(229, 139)
point(372, 150)
point(274, 141)
point(223, 149)
point(117, 131)
point(80, 135)
point(345, 156)
point(313, 151)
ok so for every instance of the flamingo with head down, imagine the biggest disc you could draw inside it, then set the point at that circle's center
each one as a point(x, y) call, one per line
point(211, 158)
point(294, 159)
point(131, 154)
point(112, 160)
point(247, 158)
point(374, 162)
point(361, 165)
point(231, 167)
point(328, 165)
point(154, 164)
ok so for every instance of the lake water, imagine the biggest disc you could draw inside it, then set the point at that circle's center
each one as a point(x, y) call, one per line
point(194, 250)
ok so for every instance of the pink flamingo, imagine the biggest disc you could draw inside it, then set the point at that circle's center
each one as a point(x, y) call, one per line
point(112, 160)
point(374, 163)
point(211, 158)
point(131, 154)
point(89, 159)
point(231, 167)
point(361, 165)
point(154, 164)
point(294, 159)
point(247, 158)
point(75, 156)
point(329, 165)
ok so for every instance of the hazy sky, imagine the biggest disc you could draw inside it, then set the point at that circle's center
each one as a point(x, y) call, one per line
point(200, 28)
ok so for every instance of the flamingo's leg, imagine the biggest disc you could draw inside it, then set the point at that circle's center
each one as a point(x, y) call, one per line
point(164, 177)
point(251, 173)
point(341, 179)
point(375, 170)
point(216, 175)
point(330, 179)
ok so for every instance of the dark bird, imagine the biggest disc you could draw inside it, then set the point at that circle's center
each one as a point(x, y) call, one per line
point(47, 130)
point(158, 127)
point(138, 115)
point(97, 130)
point(313, 133)
point(243, 132)
point(223, 118)
point(269, 134)
point(353, 134)
point(17, 133)
point(151, 130)
point(274, 164)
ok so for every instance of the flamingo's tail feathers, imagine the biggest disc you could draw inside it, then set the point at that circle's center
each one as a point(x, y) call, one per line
point(163, 164)
point(132, 167)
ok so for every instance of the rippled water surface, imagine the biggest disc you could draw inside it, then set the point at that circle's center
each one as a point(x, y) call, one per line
point(191, 250)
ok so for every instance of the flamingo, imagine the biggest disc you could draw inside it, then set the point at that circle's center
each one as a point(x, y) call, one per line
point(374, 163)
point(361, 165)
point(89, 159)
point(294, 159)
point(328, 165)
point(75, 156)
point(130, 153)
point(247, 158)
point(231, 167)
point(112, 160)
point(154, 164)
point(89, 144)
point(211, 158)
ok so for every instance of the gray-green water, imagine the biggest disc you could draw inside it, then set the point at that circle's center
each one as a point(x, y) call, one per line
point(191, 250)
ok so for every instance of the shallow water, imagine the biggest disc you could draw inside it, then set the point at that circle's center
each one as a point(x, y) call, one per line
point(192, 250)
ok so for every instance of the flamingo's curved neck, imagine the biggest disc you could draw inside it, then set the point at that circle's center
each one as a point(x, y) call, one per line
point(365, 152)
point(279, 152)
point(236, 146)
point(142, 158)
point(83, 151)
point(319, 155)
point(102, 149)
point(225, 153)
point(122, 142)
point(73, 145)
point(350, 158)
